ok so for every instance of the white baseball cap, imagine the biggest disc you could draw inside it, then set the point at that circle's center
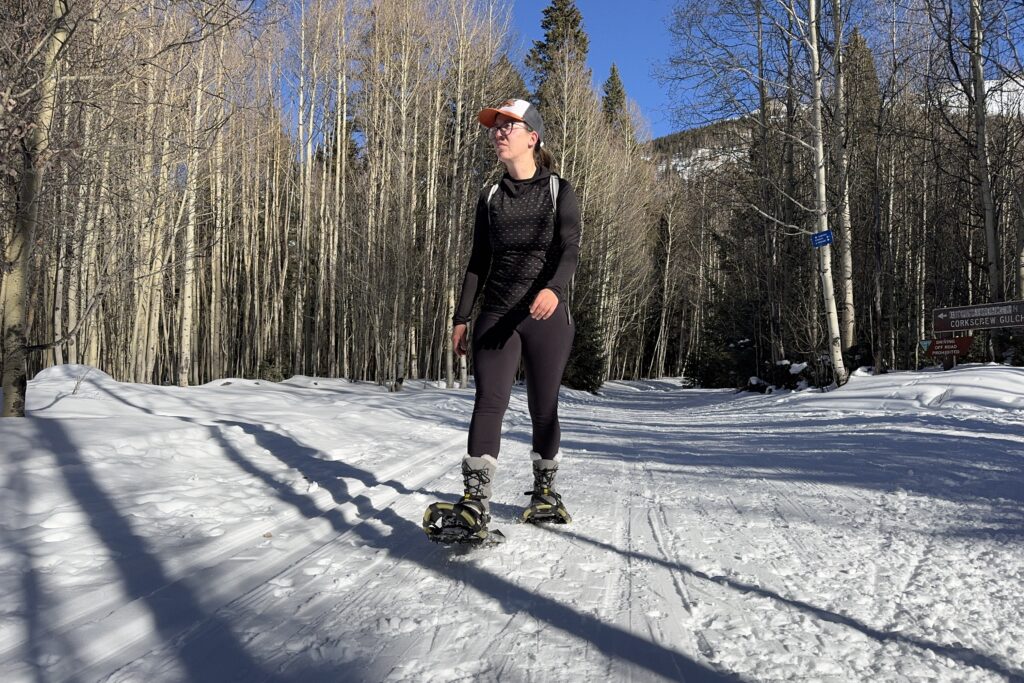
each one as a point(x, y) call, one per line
point(518, 110)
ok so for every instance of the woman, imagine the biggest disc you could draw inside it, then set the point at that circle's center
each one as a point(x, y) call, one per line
point(526, 243)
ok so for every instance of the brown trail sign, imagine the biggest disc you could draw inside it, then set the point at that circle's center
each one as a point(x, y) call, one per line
point(941, 348)
point(979, 317)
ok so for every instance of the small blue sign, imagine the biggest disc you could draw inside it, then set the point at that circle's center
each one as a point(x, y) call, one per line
point(820, 239)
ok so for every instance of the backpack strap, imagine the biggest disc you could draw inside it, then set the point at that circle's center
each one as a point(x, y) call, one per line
point(490, 193)
point(553, 186)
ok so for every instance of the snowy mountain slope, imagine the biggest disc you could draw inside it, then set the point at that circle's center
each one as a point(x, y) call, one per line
point(252, 531)
point(725, 143)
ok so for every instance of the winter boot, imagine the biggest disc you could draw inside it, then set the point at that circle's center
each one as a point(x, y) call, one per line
point(465, 521)
point(545, 503)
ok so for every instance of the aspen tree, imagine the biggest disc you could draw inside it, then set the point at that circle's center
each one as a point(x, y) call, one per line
point(17, 258)
point(821, 201)
point(848, 322)
point(988, 207)
point(189, 262)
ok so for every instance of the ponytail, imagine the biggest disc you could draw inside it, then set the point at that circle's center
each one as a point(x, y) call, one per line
point(544, 159)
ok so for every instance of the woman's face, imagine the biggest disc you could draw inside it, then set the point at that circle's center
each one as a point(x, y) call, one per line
point(512, 143)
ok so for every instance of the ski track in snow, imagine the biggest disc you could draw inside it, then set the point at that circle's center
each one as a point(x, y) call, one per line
point(252, 531)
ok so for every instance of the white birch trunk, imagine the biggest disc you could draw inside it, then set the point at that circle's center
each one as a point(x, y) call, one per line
point(995, 270)
point(186, 322)
point(19, 248)
point(821, 200)
point(848, 323)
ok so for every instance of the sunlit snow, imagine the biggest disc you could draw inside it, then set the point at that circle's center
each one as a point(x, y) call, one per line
point(254, 531)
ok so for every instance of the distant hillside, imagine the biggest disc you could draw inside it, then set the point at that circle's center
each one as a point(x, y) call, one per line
point(704, 148)
point(727, 133)
point(1005, 97)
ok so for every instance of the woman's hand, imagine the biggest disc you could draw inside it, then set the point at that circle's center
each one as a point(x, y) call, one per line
point(544, 305)
point(460, 341)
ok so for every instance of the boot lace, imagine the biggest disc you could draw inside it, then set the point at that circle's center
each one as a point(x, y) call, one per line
point(475, 481)
point(543, 480)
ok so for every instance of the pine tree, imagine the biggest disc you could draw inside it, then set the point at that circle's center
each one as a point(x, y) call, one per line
point(585, 370)
point(863, 93)
point(613, 105)
point(507, 71)
point(566, 100)
point(863, 105)
point(565, 41)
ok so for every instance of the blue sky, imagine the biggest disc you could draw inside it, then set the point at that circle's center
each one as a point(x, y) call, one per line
point(630, 33)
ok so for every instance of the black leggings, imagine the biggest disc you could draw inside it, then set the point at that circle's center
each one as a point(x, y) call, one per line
point(498, 341)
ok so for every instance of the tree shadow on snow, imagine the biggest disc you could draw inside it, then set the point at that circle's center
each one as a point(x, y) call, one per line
point(961, 654)
point(174, 608)
point(405, 536)
point(870, 452)
point(957, 467)
point(205, 645)
point(327, 474)
point(39, 645)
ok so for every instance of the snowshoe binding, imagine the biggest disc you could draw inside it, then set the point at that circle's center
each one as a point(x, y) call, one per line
point(545, 503)
point(465, 522)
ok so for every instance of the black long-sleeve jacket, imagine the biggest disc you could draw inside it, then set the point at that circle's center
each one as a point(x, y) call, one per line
point(521, 246)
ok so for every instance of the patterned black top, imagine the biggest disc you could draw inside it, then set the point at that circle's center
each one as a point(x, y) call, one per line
point(523, 247)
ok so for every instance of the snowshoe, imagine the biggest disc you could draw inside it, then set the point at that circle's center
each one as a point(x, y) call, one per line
point(545, 504)
point(465, 521)
point(462, 522)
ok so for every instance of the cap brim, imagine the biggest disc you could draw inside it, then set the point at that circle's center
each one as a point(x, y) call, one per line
point(488, 115)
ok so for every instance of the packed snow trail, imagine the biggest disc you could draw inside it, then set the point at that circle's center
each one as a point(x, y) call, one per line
point(255, 531)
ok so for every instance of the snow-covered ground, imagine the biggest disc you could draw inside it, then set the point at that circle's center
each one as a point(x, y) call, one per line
point(254, 531)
